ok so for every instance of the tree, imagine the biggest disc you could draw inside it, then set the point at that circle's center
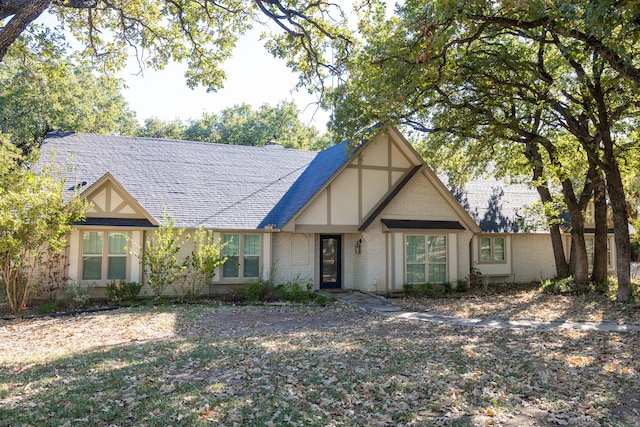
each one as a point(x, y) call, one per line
point(200, 34)
point(242, 125)
point(201, 264)
point(160, 256)
point(540, 81)
point(42, 89)
point(156, 128)
point(35, 220)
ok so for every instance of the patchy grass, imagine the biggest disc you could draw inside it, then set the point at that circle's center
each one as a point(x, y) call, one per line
point(307, 365)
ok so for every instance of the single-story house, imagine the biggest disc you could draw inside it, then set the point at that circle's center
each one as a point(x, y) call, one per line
point(370, 217)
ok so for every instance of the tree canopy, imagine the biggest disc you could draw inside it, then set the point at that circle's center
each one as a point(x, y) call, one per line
point(545, 87)
point(200, 34)
point(42, 89)
point(242, 125)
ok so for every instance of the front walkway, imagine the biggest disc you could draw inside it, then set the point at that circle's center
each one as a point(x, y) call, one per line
point(382, 306)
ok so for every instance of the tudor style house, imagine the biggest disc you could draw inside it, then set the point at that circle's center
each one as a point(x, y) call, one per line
point(373, 217)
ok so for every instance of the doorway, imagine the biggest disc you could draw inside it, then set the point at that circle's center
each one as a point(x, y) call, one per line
point(330, 261)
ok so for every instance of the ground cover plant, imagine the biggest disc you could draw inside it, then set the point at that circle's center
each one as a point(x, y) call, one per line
point(212, 364)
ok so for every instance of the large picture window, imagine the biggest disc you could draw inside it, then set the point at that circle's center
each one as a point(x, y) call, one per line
point(104, 258)
point(426, 259)
point(243, 255)
point(492, 249)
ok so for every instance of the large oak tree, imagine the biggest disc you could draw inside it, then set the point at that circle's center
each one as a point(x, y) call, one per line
point(536, 82)
point(201, 34)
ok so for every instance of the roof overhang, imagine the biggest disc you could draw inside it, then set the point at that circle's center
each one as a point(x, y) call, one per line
point(418, 224)
point(115, 222)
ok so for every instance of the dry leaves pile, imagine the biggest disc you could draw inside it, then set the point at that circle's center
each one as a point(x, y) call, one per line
point(295, 365)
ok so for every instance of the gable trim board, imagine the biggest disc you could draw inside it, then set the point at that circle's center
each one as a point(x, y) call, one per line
point(411, 224)
point(374, 196)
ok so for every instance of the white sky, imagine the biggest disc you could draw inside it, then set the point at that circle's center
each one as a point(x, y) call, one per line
point(254, 77)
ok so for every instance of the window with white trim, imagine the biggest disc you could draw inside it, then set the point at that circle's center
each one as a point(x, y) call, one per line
point(104, 258)
point(425, 259)
point(590, 244)
point(243, 255)
point(492, 249)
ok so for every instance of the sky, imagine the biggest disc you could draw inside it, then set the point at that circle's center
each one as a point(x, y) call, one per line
point(254, 77)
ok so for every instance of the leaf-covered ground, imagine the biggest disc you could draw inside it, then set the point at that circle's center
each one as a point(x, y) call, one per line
point(298, 365)
point(520, 302)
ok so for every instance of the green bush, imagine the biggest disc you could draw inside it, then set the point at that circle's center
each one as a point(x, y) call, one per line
point(568, 286)
point(47, 308)
point(254, 291)
point(462, 286)
point(123, 290)
point(447, 287)
point(296, 290)
point(408, 289)
point(426, 289)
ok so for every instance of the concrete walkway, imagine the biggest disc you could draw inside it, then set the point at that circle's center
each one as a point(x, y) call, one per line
point(382, 306)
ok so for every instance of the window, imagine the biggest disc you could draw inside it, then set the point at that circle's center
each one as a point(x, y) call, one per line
point(104, 259)
point(243, 255)
point(590, 243)
point(492, 249)
point(426, 259)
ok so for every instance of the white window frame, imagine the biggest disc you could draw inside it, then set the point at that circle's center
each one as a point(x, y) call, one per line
point(493, 259)
point(104, 255)
point(426, 263)
point(591, 250)
point(241, 256)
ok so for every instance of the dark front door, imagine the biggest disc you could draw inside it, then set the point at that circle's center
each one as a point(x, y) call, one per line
point(330, 262)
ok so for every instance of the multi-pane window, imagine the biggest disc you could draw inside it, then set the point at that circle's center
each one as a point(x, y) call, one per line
point(104, 259)
point(117, 256)
point(590, 243)
point(243, 255)
point(492, 249)
point(426, 259)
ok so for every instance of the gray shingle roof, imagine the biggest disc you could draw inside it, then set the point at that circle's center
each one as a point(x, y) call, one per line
point(215, 185)
point(238, 187)
point(496, 206)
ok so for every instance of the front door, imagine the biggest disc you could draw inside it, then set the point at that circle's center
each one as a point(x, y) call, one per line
point(330, 262)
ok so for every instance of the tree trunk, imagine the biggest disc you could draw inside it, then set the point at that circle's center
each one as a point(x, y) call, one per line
point(600, 250)
point(535, 159)
point(578, 245)
point(24, 13)
point(621, 230)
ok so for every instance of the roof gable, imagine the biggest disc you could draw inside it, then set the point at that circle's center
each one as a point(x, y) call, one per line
point(109, 199)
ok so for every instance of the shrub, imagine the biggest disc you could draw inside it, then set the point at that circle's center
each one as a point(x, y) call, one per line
point(408, 289)
point(558, 286)
point(426, 289)
point(296, 290)
point(47, 308)
point(254, 291)
point(567, 285)
point(462, 286)
point(123, 290)
point(447, 287)
point(74, 296)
